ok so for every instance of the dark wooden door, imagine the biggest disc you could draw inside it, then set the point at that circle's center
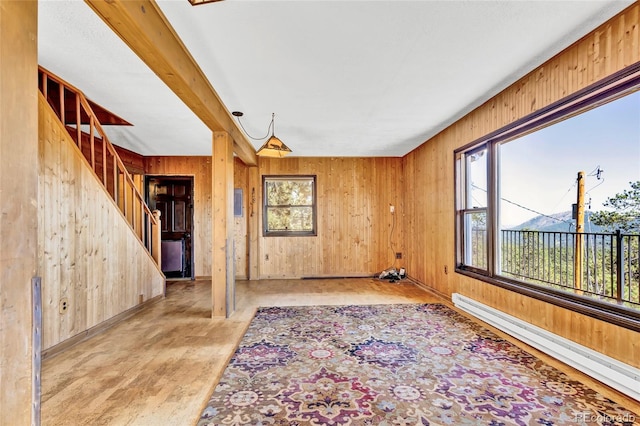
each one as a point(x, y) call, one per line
point(173, 196)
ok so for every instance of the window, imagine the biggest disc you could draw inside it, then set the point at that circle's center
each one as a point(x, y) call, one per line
point(289, 205)
point(525, 196)
point(473, 204)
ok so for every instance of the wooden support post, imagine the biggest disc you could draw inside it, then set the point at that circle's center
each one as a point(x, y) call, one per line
point(255, 212)
point(19, 210)
point(222, 271)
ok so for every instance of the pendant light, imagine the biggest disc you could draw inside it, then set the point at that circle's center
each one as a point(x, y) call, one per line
point(273, 147)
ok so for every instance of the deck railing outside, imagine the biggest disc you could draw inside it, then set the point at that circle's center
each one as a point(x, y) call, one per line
point(75, 112)
point(610, 267)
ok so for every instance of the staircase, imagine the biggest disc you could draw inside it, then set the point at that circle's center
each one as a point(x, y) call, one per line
point(76, 113)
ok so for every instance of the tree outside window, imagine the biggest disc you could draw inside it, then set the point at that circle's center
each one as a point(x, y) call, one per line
point(289, 205)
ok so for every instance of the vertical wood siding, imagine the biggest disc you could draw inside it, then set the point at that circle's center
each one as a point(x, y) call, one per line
point(241, 223)
point(353, 219)
point(88, 255)
point(354, 222)
point(200, 168)
point(429, 183)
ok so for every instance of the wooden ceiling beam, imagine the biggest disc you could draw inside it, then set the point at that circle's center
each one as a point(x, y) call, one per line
point(144, 28)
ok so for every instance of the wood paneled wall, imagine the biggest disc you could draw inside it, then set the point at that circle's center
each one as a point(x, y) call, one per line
point(18, 211)
point(133, 161)
point(89, 257)
point(429, 183)
point(354, 195)
point(241, 223)
point(200, 169)
point(354, 220)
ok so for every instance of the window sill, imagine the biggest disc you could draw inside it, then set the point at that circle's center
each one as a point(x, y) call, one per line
point(608, 312)
point(290, 234)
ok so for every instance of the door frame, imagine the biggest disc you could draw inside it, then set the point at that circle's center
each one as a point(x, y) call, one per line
point(177, 178)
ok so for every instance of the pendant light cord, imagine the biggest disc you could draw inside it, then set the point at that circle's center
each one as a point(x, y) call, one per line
point(270, 128)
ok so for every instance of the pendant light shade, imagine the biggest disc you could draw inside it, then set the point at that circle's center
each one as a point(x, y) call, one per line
point(273, 147)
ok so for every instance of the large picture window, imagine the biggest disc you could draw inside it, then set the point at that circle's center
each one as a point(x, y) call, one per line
point(550, 205)
point(289, 205)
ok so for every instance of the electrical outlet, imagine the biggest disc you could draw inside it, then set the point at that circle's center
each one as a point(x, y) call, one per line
point(64, 305)
point(266, 257)
point(398, 255)
point(392, 209)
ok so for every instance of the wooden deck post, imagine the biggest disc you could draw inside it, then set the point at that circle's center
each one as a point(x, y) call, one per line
point(222, 271)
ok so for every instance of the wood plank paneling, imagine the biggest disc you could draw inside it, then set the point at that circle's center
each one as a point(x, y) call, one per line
point(200, 168)
point(18, 211)
point(90, 260)
point(133, 161)
point(357, 234)
point(253, 190)
point(241, 223)
point(429, 177)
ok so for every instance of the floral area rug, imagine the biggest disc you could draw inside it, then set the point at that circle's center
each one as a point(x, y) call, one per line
point(407, 364)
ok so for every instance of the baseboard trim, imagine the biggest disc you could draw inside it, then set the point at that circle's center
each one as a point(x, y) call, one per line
point(337, 277)
point(97, 329)
point(623, 377)
point(425, 287)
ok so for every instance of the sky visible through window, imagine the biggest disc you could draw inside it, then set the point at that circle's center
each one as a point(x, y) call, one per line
point(538, 172)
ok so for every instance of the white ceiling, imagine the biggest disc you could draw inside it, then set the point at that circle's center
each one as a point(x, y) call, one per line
point(344, 78)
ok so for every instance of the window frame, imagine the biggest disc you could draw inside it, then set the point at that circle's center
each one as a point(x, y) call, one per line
point(607, 90)
point(467, 208)
point(265, 207)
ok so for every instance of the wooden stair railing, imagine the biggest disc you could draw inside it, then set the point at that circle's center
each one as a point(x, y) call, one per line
point(76, 114)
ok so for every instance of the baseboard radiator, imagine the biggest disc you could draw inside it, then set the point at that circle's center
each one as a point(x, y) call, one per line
point(620, 376)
